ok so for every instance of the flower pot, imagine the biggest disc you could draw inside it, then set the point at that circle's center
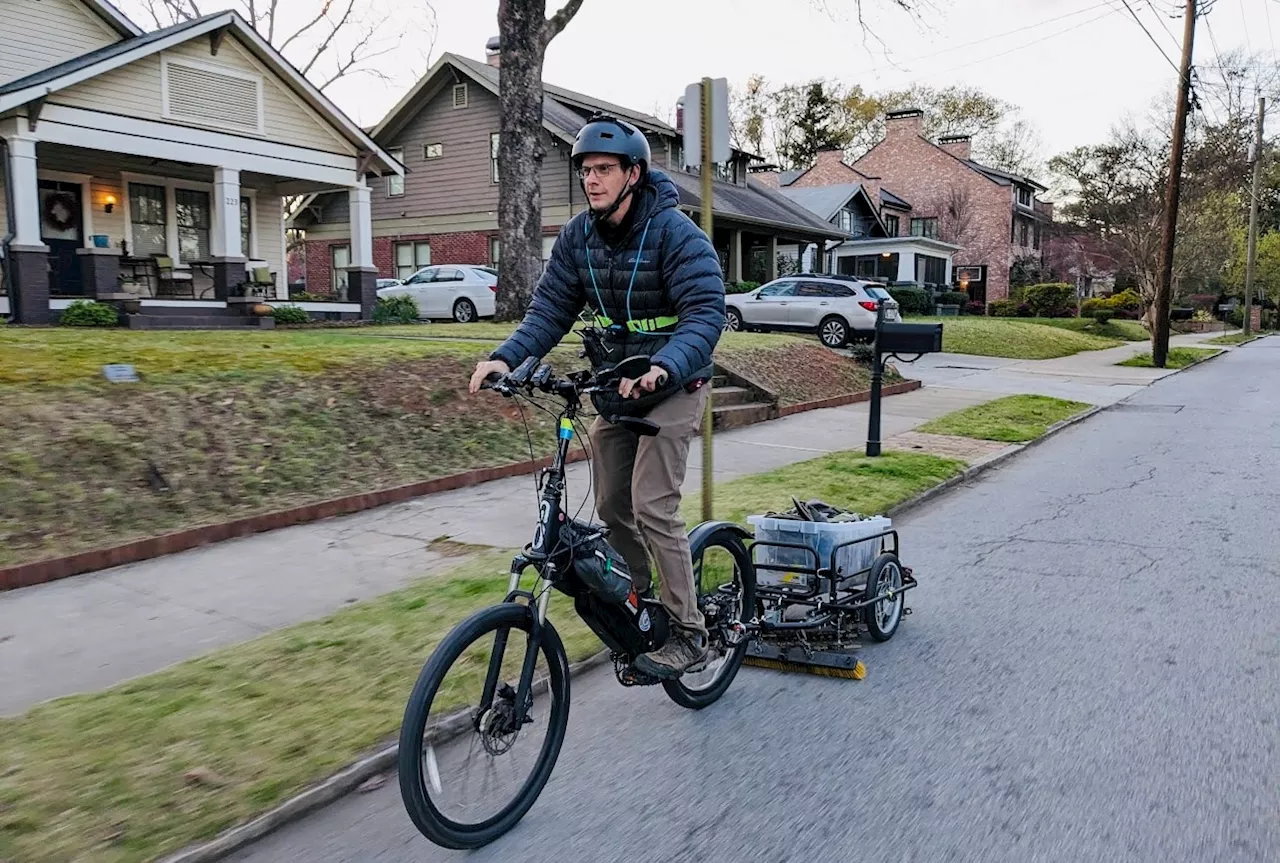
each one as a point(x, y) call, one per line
point(262, 310)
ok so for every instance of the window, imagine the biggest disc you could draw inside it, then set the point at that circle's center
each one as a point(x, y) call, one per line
point(495, 250)
point(727, 171)
point(930, 270)
point(813, 289)
point(878, 293)
point(395, 183)
point(149, 220)
point(1024, 196)
point(193, 224)
point(411, 257)
point(432, 151)
point(339, 260)
point(426, 274)
point(493, 157)
point(778, 289)
point(246, 226)
point(924, 228)
point(846, 221)
point(882, 266)
point(460, 95)
point(891, 225)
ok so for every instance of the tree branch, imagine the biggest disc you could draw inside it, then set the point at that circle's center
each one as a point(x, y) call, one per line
point(328, 40)
point(324, 10)
point(557, 22)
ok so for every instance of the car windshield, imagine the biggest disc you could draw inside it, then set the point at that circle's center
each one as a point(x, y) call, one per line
point(879, 293)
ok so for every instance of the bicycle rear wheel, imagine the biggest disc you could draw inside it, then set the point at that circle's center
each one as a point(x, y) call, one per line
point(464, 737)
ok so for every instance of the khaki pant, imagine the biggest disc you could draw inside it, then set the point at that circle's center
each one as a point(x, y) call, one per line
point(637, 483)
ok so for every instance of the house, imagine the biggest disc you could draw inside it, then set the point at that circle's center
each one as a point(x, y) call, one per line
point(994, 217)
point(1080, 257)
point(151, 169)
point(445, 208)
point(870, 250)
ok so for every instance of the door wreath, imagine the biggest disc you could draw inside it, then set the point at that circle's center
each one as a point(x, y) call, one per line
point(60, 211)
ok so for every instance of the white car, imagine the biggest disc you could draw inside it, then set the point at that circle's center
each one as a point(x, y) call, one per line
point(462, 292)
point(838, 309)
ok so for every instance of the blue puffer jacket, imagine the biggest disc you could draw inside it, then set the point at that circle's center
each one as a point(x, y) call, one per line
point(664, 274)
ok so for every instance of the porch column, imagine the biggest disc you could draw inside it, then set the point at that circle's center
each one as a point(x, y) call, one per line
point(28, 255)
point(228, 257)
point(820, 257)
point(735, 256)
point(771, 266)
point(362, 275)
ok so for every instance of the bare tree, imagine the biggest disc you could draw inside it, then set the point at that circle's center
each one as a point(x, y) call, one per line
point(956, 214)
point(524, 32)
point(326, 40)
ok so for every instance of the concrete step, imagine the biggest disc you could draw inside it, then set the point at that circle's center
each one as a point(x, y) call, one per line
point(731, 396)
point(198, 322)
point(719, 381)
point(181, 312)
point(736, 416)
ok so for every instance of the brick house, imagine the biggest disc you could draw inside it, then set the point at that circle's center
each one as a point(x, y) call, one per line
point(444, 210)
point(994, 217)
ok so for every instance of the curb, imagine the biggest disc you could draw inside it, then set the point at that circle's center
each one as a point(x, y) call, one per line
point(983, 466)
point(56, 568)
point(337, 786)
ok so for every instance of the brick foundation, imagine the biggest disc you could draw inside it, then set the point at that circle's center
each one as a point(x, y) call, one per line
point(29, 281)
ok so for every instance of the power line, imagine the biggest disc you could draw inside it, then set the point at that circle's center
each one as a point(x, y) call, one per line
point(1152, 38)
point(1160, 17)
point(1026, 45)
point(992, 38)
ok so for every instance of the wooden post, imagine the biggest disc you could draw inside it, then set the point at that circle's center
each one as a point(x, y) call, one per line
point(708, 418)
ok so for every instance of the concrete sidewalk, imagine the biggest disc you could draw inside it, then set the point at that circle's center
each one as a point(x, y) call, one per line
point(1091, 377)
point(92, 631)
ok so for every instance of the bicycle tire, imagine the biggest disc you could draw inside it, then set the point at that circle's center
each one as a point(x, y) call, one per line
point(697, 699)
point(425, 816)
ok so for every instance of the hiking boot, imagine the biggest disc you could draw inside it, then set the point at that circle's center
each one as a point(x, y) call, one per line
point(682, 651)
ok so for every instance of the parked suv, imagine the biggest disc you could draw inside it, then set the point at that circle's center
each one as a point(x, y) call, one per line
point(838, 309)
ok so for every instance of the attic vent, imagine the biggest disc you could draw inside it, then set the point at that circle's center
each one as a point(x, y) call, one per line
point(459, 95)
point(226, 99)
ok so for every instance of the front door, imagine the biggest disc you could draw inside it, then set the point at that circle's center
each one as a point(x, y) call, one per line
point(62, 230)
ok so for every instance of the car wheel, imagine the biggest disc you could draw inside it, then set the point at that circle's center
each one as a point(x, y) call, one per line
point(833, 332)
point(732, 321)
point(464, 311)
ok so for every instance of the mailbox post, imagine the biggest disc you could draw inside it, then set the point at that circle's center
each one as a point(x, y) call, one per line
point(891, 340)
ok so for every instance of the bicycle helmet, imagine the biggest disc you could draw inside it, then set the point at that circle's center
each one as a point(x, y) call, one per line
point(605, 133)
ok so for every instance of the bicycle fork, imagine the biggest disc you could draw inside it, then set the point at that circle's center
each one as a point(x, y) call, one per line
point(539, 601)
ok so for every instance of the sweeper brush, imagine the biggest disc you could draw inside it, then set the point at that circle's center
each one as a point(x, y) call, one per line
point(824, 663)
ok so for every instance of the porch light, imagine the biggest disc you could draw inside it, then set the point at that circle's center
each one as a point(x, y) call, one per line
point(886, 254)
point(111, 203)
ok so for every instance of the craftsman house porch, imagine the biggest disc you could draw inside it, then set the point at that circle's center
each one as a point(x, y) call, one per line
point(153, 173)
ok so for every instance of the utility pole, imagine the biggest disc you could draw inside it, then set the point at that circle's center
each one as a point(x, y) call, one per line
point(708, 416)
point(1253, 217)
point(1164, 290)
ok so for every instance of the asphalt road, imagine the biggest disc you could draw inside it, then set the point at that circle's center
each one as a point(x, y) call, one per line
point(1092, 671)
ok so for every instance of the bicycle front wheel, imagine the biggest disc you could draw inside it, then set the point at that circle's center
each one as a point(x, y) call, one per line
point(471, 761)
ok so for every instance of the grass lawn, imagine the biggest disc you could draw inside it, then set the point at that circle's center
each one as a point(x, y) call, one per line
point(1013, 338)
point(1129, 331)
point(172, 758)
point(1179, 358)
point(1232, 339)
point(1014, 419)
point(225, 425)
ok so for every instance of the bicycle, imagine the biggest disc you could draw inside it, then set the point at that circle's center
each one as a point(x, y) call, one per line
point(573, 557)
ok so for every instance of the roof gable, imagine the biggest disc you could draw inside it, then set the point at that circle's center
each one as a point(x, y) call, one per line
point(96, 63)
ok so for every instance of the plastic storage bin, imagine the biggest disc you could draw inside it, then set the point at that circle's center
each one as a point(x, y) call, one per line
point(822, 537)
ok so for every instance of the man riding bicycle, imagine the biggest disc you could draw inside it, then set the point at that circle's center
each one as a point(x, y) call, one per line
point(653, 281)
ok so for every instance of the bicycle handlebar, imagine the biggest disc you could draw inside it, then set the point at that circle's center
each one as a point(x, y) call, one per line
point(526, 377)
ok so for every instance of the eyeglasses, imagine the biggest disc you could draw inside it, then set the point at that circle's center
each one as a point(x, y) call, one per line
point(600, 171)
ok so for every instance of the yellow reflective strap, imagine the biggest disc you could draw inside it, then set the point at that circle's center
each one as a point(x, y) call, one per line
point(651, 324)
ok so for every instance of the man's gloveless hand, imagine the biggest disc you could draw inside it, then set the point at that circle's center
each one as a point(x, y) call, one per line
point(631, 387)
point(483, 370)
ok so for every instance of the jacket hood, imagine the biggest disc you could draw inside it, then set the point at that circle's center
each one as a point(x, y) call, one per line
point(660, 193)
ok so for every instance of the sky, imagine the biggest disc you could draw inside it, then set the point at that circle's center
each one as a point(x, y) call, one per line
point(1074, 67)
